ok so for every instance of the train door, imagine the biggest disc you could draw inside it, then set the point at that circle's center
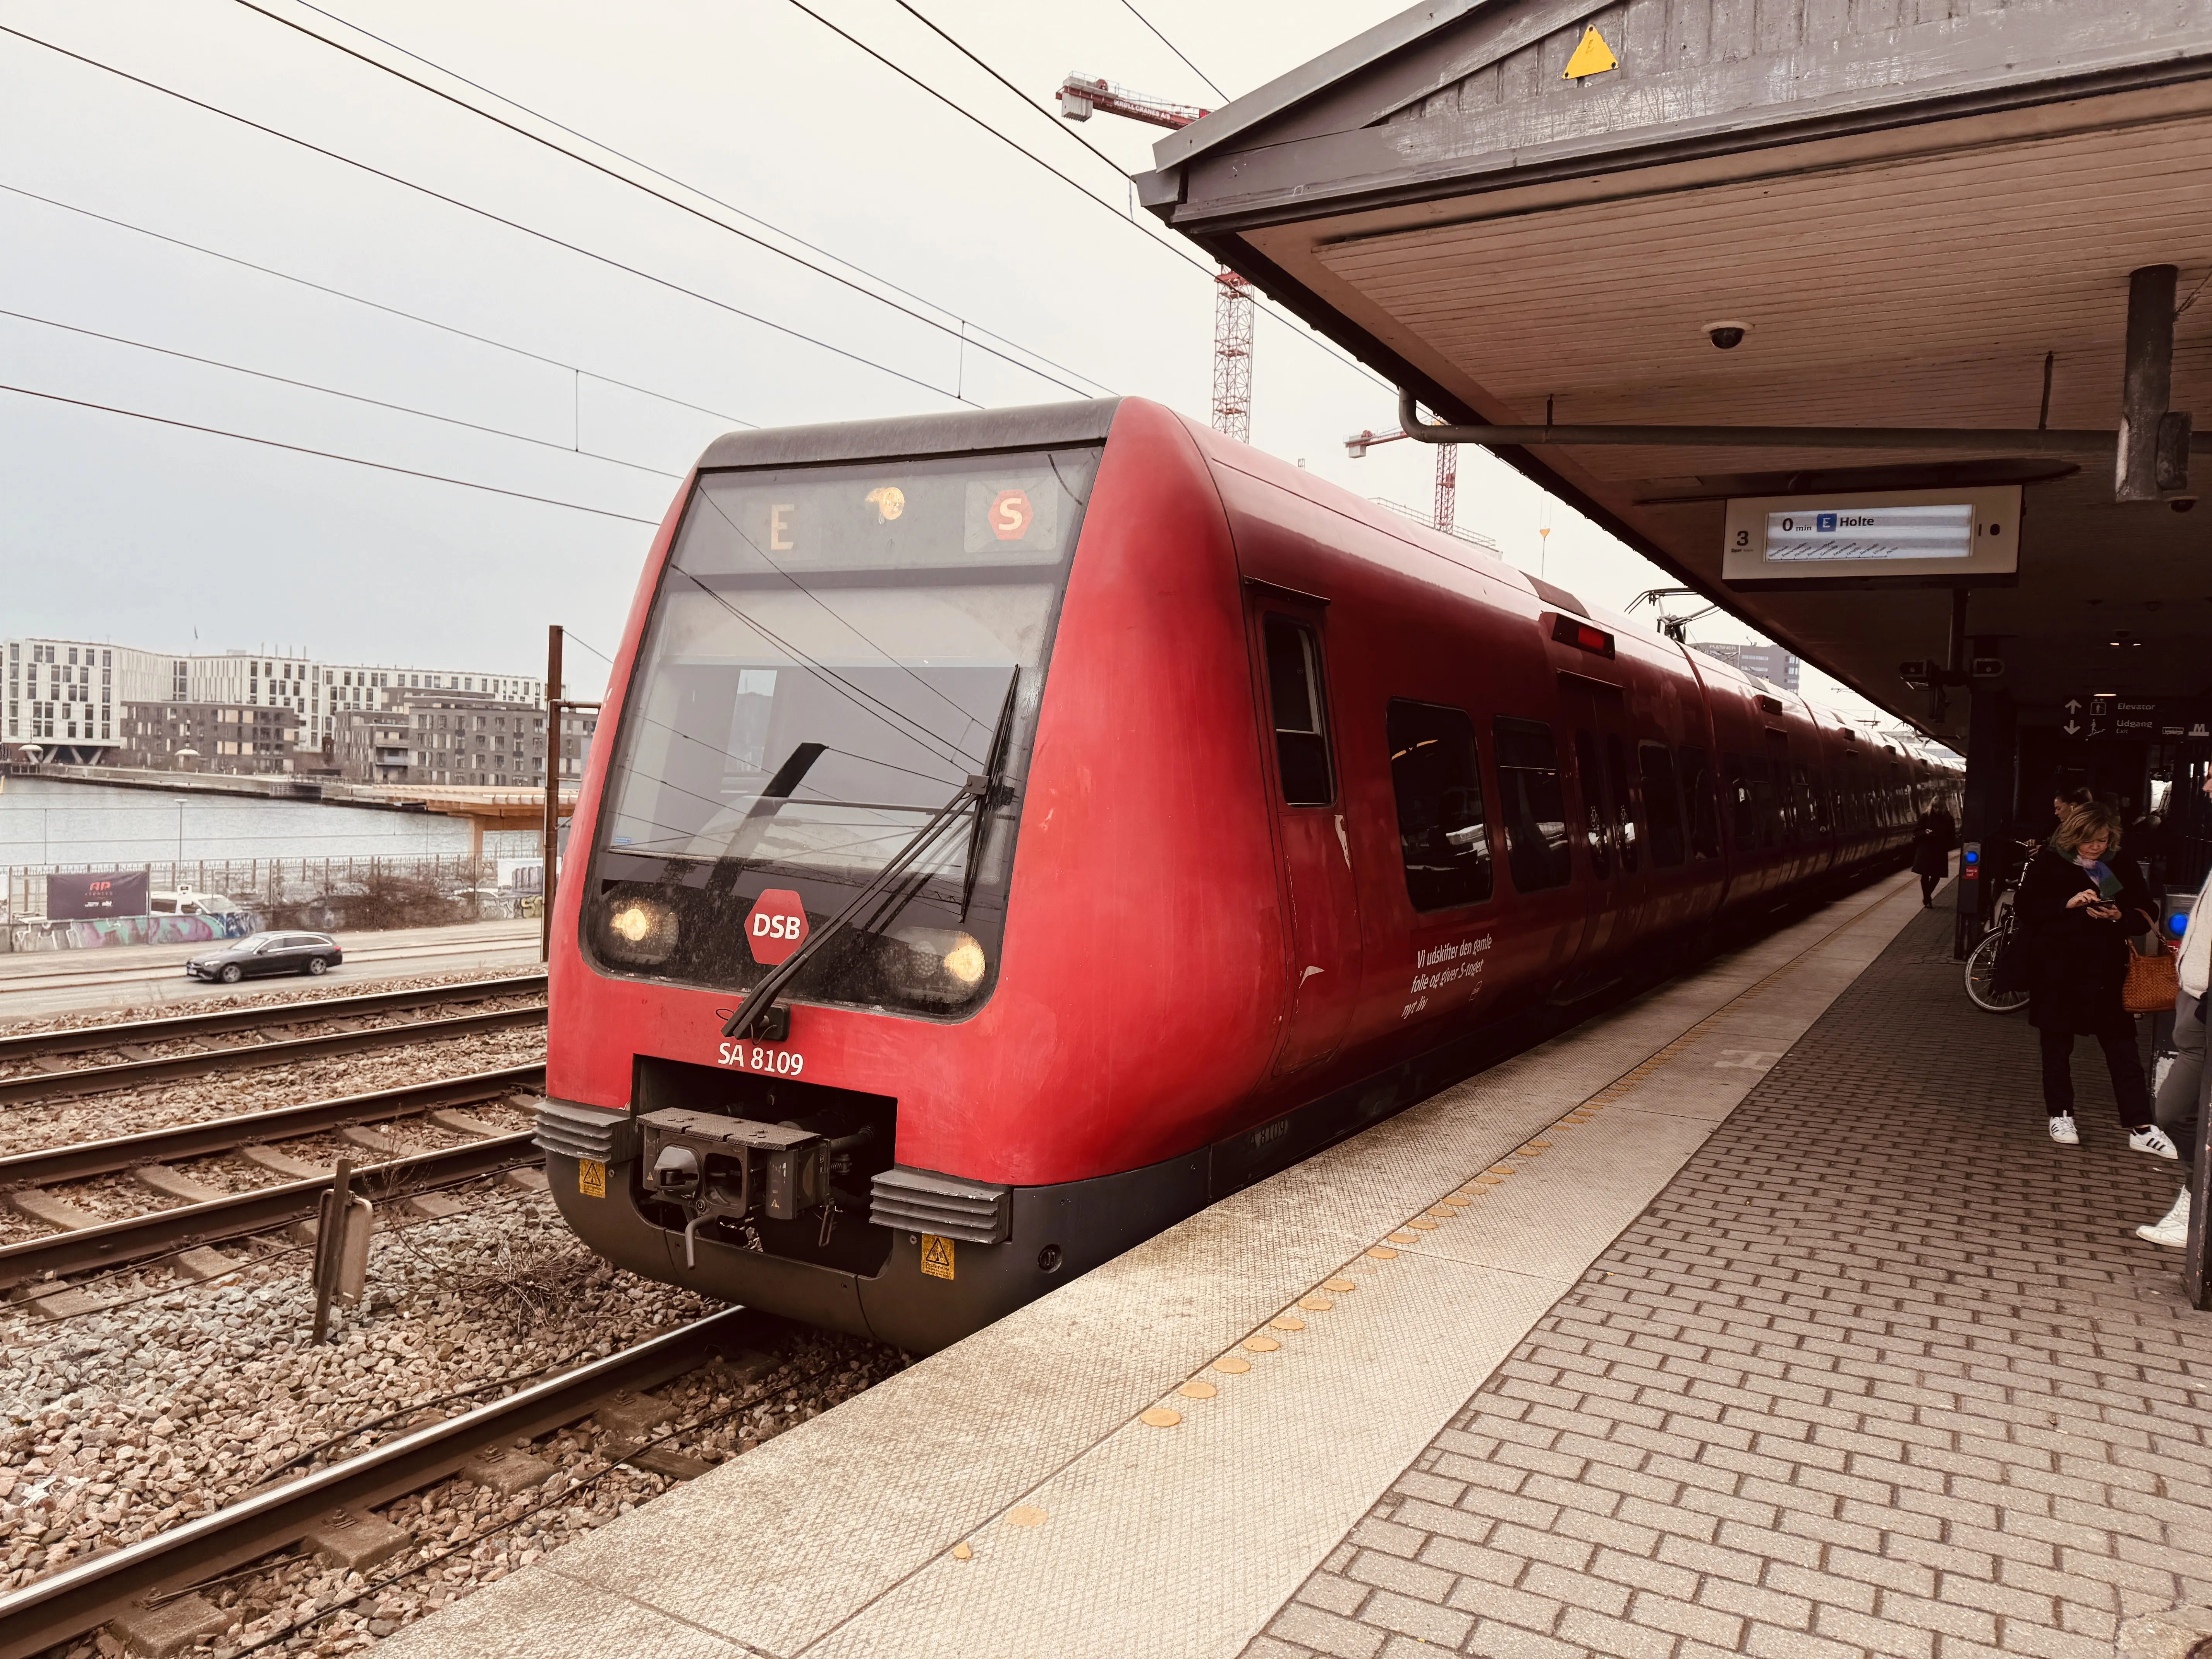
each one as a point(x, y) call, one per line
point(1324, 960)
point(1610, 824)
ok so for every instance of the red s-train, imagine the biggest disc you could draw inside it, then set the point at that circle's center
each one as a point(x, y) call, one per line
point(1200, 814)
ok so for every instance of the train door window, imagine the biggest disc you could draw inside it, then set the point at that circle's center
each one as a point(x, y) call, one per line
point(1623, 786)
point(1704, 814)
point(1301, 714)
point(1766, 821)
point(1597, 805)
point(1813, 801)
point(1663, 808)
point(1531, 806)
point(1743, 804)
point(1442, 832)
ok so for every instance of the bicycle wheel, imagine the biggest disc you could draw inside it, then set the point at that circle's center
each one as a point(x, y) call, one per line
point(1981, 976)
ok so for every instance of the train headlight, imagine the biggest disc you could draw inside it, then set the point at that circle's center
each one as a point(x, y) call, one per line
point(943, 964)
point(965, 961)
point(640, 930)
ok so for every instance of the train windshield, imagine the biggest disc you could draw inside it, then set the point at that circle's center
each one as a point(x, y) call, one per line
point(835, 654)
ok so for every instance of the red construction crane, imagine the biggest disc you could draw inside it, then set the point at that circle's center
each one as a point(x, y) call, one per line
point(1447, 509)
point(1079, 96)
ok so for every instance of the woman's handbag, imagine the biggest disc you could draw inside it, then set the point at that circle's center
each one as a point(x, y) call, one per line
point(2153, 984)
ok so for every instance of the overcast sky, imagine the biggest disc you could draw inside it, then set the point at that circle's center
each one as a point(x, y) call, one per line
point(152, 535)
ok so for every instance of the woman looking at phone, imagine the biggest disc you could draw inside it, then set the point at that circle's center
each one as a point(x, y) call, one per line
point(2077, 912)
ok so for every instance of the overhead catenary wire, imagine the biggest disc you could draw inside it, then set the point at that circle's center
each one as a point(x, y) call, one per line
point(1176, 50)
point(324, 454)
point(601, 167)
point(333, 392)
point(973, 328)
point(206, 252)
point(544, 236)
point(1300, 330)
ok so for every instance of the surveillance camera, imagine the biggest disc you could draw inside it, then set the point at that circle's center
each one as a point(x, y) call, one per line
point(1727, 335)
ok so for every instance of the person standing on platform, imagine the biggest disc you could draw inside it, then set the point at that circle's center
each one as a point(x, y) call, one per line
point(1932, 843)
point(2186, 1092)
point(2076, 914)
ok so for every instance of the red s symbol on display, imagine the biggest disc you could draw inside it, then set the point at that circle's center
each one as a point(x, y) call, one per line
point(1011, 514)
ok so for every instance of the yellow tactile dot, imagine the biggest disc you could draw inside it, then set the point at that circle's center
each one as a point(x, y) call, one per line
point(962, 1553)
point(1261, 1344)
point(1441, 1214)
point(1159, 1417)
point(1287, 1322)
point(1339, 1286)
point(1383, 1253)
point(1499, 1169)
point(1025, 1515)
point(1315, 1304)
point(1539, 1144)
point(1195, 1390)
point(1421, 1222)
point(1401, 1237)
point(1230, 1365)
point(1458, 1198)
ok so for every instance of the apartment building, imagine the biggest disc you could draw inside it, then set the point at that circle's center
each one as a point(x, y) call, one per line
point(63, 694)
point(448, 737)
point(207, 736)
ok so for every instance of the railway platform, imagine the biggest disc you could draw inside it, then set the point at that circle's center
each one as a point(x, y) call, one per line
point(1757, 1316)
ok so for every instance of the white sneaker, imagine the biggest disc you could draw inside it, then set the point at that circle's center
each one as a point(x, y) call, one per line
point(2153, 1139)
point(2063, 1130)
point(2171, 1228)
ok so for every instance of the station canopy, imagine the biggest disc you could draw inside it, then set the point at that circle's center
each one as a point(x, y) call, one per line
point(1544, 213)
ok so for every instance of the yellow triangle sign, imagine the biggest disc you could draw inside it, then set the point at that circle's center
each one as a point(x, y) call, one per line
point(1592, 57)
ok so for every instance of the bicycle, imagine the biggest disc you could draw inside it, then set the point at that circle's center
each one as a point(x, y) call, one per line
point(1985, 960)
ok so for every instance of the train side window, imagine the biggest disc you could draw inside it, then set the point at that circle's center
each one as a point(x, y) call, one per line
point(1623, 787)
point(1704, 814)
point(1531, 806)
point(1301, 714)
point(1663, 808)
point(1597, 805)
point(1441, 830)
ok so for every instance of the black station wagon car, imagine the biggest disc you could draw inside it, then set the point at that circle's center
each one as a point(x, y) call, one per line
point(266, 953)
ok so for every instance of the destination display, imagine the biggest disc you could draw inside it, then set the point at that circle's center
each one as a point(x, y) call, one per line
point(1915, 537)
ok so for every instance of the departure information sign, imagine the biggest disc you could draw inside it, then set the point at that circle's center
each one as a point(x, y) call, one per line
point(1903, 538)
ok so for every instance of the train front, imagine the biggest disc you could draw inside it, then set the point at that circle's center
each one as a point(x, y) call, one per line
point(823, 715)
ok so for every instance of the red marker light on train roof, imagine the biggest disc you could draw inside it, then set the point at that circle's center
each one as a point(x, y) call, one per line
point(1566, 630)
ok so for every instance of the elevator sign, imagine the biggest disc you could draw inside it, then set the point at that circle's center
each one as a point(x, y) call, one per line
point(1913, 538)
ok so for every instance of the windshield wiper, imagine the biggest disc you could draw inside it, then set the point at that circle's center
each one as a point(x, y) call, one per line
point(985, 792)
point(995, 792)
point(761, 998)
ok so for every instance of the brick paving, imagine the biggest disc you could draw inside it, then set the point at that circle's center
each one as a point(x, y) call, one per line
point(1882, 1371)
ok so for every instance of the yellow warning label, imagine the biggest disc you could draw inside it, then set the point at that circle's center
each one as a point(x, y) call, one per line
point(1591, 56)
point(591, 1177)
point(936, 1256)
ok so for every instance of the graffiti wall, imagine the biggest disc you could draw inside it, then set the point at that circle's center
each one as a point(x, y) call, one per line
point(92, 934)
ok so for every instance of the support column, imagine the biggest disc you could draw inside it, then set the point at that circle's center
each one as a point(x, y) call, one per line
point(2147, 382)
point(1992, 734)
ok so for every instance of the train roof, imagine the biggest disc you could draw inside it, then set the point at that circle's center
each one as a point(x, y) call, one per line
point(1031, 426)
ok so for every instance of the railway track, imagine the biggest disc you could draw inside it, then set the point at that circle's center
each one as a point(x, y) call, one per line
point(138, 1238)
point(125, 1034)
point(145, 1590)
point(159, 1069)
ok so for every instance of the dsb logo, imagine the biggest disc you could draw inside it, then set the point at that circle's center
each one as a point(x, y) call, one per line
point(775, 926)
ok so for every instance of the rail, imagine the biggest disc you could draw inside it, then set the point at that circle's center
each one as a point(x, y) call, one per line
point(83, 1598)
point(31, 1045)
point(128, 1074)
point(159, 1232)
point(84, 1158)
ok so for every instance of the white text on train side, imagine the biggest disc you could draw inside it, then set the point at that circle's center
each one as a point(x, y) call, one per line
point(1456, 962)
